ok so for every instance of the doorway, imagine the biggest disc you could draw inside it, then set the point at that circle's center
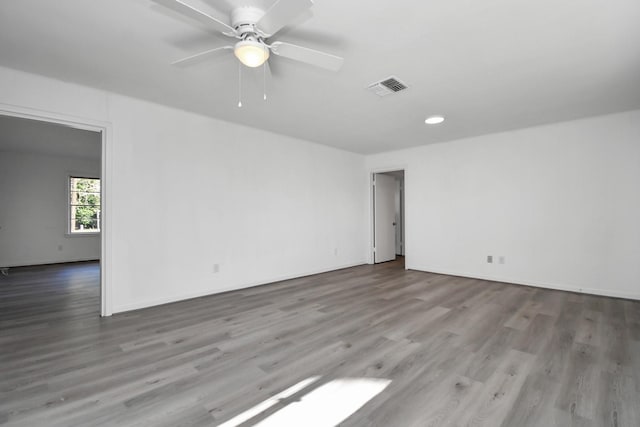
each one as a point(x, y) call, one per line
point(53, 185)
point(388, 189)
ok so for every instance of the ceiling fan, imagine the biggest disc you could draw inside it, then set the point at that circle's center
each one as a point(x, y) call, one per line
point(253, 28)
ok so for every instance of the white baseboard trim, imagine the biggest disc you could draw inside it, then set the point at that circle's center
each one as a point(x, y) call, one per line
point(183, 297)
point(566, 288)
point(39, 263)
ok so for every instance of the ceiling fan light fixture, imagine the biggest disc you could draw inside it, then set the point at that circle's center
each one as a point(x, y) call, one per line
point(251, 53)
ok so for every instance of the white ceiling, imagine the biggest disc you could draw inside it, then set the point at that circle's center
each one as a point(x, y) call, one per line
point(36, 137)
point(488, 66)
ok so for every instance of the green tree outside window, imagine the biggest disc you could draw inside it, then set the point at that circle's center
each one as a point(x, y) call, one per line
point(84, 194)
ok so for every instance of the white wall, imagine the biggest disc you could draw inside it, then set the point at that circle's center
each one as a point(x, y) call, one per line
point(33, 210)
point(187, 192)
point(560, 202)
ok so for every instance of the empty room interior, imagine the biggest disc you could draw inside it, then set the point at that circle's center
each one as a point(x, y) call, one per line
point(319, 213)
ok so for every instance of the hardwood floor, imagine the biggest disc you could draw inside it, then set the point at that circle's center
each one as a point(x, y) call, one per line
point(457, 351)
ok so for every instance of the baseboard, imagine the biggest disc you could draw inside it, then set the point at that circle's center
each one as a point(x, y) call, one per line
point(42, 264)
point(554, 286)
point(192, 295)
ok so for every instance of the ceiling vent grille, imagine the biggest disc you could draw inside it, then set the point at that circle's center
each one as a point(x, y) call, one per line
point(387, 86)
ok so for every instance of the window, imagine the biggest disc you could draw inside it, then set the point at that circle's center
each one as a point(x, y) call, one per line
point(84, 205)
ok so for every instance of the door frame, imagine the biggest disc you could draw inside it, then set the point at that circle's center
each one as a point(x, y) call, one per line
point(106, 131)
point(372, 211)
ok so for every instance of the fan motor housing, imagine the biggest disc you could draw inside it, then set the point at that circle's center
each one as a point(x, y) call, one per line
point(244, 19)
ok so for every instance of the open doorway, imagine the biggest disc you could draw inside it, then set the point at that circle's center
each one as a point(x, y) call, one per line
point(388, 216)
point(51, 203)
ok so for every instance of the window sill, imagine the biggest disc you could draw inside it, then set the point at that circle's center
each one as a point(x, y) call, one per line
point(82, 234)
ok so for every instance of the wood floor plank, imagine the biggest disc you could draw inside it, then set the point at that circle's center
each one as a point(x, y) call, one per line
point(456, 351)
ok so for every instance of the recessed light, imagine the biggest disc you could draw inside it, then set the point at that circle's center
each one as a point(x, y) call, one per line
point(434, 120)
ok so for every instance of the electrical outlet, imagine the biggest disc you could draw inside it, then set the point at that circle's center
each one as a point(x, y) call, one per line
point(216, 268)
point(335, 251)
point(59, 247)
point(490, 259)
point(501, 259)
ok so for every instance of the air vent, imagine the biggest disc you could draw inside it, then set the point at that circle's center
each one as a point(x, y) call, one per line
point(387, 86)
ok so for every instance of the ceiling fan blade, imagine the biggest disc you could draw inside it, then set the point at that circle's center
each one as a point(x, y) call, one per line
point(282, 13)
point(193, 13)
point(308, 56)
point(308, 36)
point(201, 56)
point(225, 6)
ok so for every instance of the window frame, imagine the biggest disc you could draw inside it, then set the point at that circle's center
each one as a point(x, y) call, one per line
point(70, 232)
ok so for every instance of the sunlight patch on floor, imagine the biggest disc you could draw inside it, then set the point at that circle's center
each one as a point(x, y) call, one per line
point(325, 406)
point(263, 406)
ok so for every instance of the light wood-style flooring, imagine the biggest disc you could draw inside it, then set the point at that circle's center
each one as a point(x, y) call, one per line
point(458, 351)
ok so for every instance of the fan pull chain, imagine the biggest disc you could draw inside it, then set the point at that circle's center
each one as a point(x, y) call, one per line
point(264, 80)
point(264, 77)
point(239, 85)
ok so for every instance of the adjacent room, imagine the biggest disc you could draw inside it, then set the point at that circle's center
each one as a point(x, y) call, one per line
point(50, 191)
point(295, 213)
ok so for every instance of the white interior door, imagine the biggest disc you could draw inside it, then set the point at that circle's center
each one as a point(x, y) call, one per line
point(384, 218)
point(398, 217)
